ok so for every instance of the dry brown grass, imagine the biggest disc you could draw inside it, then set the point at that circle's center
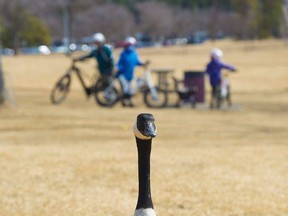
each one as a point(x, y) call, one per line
point(79, 159)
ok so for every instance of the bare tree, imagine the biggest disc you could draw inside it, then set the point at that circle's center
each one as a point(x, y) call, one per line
point(14, 14)
point(156, 19)
point(49, 12)
point(285, 12)
point(153, 17)
point(2, 96)
point(200, 20)
point(113, 20)
point(184, 22)
point(53, 13)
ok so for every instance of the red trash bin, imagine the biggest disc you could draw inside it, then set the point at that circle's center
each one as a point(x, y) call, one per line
point(196, 78)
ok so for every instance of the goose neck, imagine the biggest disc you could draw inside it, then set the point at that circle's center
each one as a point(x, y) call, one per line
point(144, 151)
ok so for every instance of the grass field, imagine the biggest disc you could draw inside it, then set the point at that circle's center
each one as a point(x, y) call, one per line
point(80, 159)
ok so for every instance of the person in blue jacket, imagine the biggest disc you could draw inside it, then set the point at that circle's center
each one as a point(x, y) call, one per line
point(127, 63)
point(213, 69)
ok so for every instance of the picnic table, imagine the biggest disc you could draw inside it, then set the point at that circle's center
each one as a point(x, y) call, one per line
point(162, 76)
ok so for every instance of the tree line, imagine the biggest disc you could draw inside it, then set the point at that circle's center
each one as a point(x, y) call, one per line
point(34, 22)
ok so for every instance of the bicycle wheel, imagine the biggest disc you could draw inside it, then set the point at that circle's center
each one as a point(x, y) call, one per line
point(219, 98)
point(61, 89)
point(159, 102)
point(105, 95)
point(192, 100)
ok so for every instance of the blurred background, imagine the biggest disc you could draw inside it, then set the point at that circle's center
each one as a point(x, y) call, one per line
point(68, 24)
point(78, 158)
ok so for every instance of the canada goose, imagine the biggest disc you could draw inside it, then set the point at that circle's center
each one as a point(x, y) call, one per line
point(144, 131)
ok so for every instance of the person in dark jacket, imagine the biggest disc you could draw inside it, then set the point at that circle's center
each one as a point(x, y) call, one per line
point(127, 63)
point(104, 57)
point(213, 69)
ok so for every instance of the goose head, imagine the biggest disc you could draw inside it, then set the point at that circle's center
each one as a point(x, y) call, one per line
point(145, 127)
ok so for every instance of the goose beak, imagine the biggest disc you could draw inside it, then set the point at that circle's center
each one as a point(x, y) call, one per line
point(149, 130)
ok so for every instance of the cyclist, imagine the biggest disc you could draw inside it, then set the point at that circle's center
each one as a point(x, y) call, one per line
point(213, 69)
point(104, 57)
point(129, 59)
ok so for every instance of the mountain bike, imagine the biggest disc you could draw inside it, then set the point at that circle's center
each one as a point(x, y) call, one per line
point(62, 87)
point(153, 96)
point(223, 92)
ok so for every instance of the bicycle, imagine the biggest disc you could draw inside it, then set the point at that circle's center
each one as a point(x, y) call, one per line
point(223, 92)
point(62, 86)
point(185, 94)
point(153, 96)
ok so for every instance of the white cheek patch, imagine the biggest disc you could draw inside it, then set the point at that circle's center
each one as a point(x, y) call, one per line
point(139, 135)
point(145, 212)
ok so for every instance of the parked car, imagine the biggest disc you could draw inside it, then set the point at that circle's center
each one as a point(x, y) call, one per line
point(175, 41)
point(43, 49)
point(197, 38)
point(7, 51)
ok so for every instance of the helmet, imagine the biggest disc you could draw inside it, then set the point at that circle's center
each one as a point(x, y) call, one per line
point(130, 41)
point(216, 54)
point(98, 37)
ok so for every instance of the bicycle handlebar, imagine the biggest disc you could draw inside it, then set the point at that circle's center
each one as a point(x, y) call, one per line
point(146, 64)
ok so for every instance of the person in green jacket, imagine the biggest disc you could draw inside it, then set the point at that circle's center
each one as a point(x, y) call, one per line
point(104, 57)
